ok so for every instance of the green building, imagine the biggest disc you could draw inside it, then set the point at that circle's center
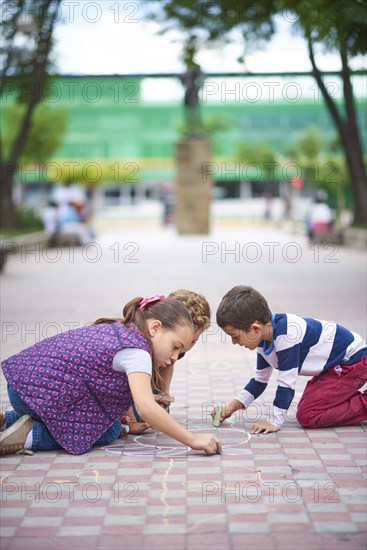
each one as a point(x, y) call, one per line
point(114, 123)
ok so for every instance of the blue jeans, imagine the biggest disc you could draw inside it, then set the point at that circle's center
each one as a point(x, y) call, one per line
point(42, 439)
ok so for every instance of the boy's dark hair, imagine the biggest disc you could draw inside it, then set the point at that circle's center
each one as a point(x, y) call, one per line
point(242, 306)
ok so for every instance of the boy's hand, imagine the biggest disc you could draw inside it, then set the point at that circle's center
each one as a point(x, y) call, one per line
point(228, 410)
point(264, 427)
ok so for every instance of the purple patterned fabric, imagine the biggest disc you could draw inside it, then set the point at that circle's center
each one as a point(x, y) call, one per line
point(68, 380)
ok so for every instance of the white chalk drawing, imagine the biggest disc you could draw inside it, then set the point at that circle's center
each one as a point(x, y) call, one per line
point(148, 445)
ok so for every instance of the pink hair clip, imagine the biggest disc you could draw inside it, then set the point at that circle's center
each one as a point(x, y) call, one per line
point(151, 300)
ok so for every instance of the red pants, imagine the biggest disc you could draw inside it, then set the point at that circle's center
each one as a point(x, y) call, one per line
point(333, 399)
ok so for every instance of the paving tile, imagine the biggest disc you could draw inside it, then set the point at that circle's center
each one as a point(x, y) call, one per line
point(301, 541)
point(295, 528)
point(158, 542)
point(84, 542)
point(265, 542)
point(127, 519)
point(359, 517)
point(340, 542)
point(133, 542)
point(113, 530)
point(286, 518)
point(207, 541)
point(79, 531)
point(245, 527)
point(247, 508)
point(36, 531)
point(211, 528)
point(174, 528)
point(45, 521)
point(7, 531)
point(337, 527)
point(256, 515)
point(7, 512)
point(30, 543)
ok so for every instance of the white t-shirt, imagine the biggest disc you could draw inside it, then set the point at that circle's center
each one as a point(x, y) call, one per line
point(64, 195)
point(130, 360)
point(321, 213)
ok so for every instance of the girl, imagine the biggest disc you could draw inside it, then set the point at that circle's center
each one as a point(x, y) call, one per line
point(71, 390)
point(199, 309)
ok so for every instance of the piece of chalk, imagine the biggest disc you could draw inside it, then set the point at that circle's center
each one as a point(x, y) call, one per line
point(216, 421)
point(125, 427)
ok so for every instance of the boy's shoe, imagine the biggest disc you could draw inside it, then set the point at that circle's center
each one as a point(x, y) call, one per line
point(12, 439)
point(2, 419)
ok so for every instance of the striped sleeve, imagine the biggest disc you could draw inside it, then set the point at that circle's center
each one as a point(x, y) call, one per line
point(256, 386)
point(284, 395)
point(288, 348)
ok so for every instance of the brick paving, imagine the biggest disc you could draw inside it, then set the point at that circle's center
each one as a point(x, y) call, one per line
point(297, 488)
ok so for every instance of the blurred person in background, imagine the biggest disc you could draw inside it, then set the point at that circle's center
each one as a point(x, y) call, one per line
point(320, 217)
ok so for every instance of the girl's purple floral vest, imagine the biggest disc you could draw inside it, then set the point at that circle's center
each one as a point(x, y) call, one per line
point(68, 380)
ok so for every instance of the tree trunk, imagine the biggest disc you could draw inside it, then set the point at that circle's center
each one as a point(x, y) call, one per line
point(9, 168)
point(351, 144)
point(349, 134)
point(48, 15)
point(7, 210)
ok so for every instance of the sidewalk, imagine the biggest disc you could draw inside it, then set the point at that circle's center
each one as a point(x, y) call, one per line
point(298, 488)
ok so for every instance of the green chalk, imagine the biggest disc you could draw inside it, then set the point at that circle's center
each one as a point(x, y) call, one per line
point(216, 421)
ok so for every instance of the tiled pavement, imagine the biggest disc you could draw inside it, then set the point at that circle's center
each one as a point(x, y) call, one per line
point(297, 489)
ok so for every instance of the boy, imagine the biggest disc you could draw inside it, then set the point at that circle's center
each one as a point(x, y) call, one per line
point(333, 355)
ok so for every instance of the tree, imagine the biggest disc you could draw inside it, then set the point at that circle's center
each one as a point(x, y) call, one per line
point(24, 69)
point(322, 165)
point(259, 154)
point(44, 136)
point(340, 26)
point(336, 25)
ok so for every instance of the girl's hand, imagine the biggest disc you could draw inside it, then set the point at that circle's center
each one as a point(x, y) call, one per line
point(264, 427)
point(207, 443)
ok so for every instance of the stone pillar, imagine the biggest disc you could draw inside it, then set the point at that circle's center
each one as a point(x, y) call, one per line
point(193, 187)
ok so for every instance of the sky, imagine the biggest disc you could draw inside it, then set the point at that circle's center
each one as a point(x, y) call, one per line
point(109, 37)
